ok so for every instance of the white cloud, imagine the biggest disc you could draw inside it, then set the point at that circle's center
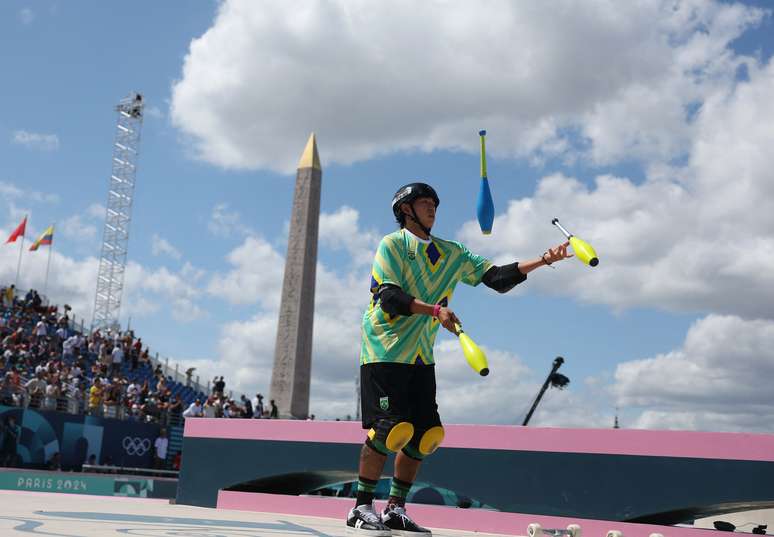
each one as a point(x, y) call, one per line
point(10, 192)
point(370, 79)
point(160, 246)
point(696, 238)
point(34, 140)
point(26, 15)
point(256, 276)
point(177, 290)
point(154, 112)
point(76, 229)
point(716, 381)
point(339, 231)
point(226, 223)
point(96, 210)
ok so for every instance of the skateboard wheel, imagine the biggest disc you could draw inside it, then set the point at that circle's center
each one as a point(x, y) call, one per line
point(656, 535)
point(575, 530)
point(614, 533)
point(534, 530)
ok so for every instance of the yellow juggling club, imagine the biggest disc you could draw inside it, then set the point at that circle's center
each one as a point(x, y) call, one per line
point(473, 354)
point(582, 249)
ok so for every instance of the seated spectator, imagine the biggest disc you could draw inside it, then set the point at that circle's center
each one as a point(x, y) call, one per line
point(230, 410)
point(209, 410)
point(151, 410)
point(112, 397)
point(36, 389)
point(41, 329)
point(135, 413)
point(7, 390)
point(194, 410)
point(53, 391)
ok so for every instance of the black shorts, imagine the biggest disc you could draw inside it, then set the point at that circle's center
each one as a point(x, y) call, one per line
point(403, 392)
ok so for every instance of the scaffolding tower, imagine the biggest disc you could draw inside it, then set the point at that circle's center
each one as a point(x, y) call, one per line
point(118, 216)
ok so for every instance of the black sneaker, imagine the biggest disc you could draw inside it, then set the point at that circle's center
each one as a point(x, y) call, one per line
point(395, 518)
point(363, 521)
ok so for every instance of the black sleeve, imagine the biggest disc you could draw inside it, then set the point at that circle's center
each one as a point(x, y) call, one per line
point(503, 279)
point(394, 300)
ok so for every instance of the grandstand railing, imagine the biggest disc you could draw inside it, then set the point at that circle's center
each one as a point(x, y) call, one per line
point(107, 469)
point(77, 405)
point(156, 360)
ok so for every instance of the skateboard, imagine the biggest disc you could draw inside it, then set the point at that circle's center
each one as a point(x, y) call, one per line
point(536, 530)
point(573, 530)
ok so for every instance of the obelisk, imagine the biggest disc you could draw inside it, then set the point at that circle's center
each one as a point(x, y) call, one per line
point(292, 371)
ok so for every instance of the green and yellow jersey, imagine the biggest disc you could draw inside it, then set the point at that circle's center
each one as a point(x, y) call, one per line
point(428, 270)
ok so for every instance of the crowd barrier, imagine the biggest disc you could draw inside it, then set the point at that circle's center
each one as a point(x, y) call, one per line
point(77, 437)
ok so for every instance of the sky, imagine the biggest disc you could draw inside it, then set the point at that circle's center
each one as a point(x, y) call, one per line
point(644, 126)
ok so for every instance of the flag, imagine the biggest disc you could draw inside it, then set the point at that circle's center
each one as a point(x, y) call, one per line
point(45, 239)
point(18, 232)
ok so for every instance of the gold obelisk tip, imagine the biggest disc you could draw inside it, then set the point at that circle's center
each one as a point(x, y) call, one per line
point(310, 158)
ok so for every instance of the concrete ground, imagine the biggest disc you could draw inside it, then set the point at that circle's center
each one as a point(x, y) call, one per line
point(72, 515)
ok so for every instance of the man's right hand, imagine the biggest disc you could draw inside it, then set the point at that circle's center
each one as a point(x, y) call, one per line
point(448, 320)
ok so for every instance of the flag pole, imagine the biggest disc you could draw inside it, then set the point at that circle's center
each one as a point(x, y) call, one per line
point(48, 264)
point(21, 249)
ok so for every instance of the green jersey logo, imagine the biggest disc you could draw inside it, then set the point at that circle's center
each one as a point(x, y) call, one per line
point(384, 403)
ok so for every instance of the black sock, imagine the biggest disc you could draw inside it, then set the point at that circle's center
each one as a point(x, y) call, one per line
point(398, 492)
point(365, 490)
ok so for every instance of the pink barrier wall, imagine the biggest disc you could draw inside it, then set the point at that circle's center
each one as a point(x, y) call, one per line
point(727, 446)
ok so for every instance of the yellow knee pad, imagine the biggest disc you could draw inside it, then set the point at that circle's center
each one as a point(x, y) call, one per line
point(393, 439)
point(431, 440)
point(399, 436)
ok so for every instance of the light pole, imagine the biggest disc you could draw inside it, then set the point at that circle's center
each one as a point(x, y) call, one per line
point(555, 379)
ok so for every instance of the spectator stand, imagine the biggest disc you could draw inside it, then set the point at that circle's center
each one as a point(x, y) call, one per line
point(55, 366)
point(50, 361)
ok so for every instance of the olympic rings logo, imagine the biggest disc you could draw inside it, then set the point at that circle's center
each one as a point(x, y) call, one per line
point(136, 446)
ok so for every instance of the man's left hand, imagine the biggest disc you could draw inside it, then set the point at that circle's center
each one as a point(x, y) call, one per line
point(557, 253)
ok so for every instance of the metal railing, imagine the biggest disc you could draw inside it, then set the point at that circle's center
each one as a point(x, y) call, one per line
point(107, 469)
point(76, 405)
point(180, 378)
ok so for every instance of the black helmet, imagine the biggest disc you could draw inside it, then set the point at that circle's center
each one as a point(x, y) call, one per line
point(410, 192)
